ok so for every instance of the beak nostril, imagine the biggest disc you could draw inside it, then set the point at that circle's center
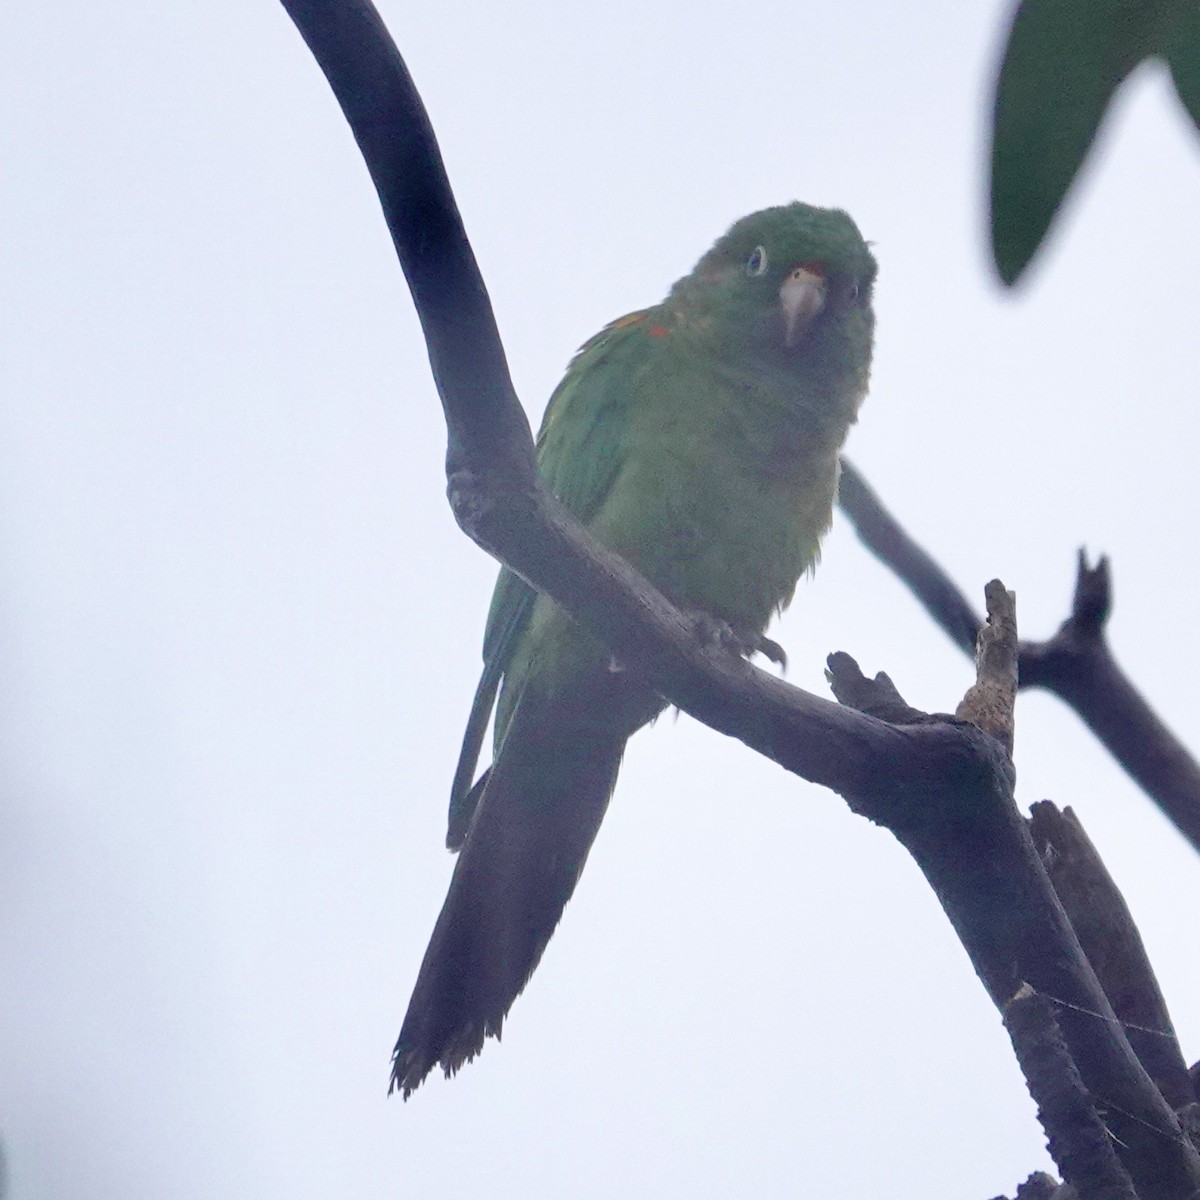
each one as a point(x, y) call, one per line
point(801, 297)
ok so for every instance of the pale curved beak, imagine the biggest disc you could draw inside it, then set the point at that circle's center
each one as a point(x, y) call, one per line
point(802, 297)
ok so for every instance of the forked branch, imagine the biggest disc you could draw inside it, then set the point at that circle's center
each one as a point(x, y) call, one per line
point(1076, 664)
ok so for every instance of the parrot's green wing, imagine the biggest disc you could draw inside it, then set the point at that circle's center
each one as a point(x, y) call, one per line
point(580, 449)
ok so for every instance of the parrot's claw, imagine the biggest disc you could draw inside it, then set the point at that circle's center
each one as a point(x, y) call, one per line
point(772, 651)
point(714, 632)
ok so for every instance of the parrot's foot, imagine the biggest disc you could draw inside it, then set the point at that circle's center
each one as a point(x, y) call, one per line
point(714, 632)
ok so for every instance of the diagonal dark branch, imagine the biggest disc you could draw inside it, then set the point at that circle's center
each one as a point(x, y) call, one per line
point(392, 129)
point(1110, 939)
point(1076, 664)
point(1078, 1138)
point(941, 785)
point(884, 536)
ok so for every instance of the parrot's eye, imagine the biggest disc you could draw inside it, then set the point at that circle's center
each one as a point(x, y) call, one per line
point(851, 293)
point(756, 264)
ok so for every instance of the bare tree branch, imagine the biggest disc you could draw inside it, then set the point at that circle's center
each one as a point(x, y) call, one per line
point(974, 856)
point(392, 129)
point(1076, 664)
point(942, 785)
point(883, 535)
point(1110, 939)
point(1078, 1138)
point(990, 700)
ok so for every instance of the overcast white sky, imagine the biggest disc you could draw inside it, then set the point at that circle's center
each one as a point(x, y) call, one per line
point(239, 630)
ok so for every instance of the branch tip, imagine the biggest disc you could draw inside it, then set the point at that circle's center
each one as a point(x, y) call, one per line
point(878, 697)
point(1092, 604)
point(990, 701)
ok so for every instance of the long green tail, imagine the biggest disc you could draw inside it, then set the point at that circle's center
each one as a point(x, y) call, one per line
point(523, 853)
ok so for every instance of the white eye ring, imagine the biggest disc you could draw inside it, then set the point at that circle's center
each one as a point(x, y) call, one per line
point(756, 264)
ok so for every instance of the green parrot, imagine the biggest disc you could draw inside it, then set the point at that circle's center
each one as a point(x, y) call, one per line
point(699, 439)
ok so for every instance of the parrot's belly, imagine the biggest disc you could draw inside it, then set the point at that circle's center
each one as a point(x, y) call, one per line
point(726, 540)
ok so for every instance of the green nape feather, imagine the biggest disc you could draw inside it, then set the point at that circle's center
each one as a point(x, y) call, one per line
point(699, 439)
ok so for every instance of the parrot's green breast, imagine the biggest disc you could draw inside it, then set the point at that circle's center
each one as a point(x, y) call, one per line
point(722, 495)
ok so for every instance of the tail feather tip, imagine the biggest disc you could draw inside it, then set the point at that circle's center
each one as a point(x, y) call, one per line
point(411, 1065)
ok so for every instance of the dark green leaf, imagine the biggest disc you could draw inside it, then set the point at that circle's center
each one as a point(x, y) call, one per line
point(1182, 52)
point(1063, 61)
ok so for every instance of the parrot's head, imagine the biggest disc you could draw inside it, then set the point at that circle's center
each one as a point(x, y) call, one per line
point(792, 285)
